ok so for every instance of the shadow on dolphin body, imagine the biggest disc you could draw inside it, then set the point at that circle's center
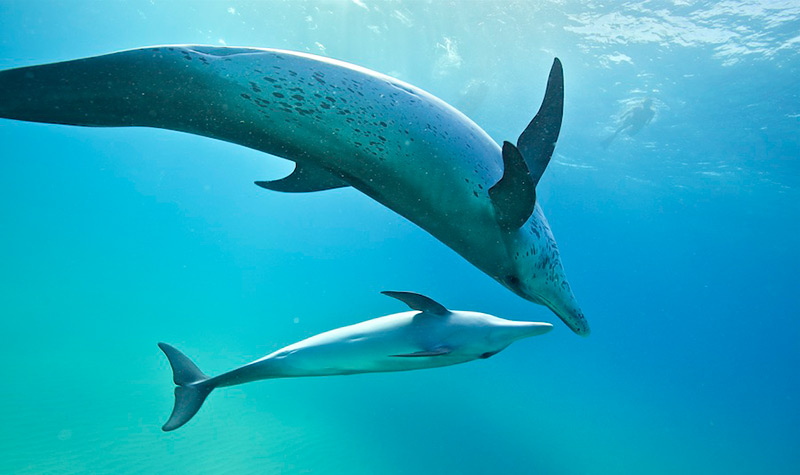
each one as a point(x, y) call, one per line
point(430, 336)
point(342, 125)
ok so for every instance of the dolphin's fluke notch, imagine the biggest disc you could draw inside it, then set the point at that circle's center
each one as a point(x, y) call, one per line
point(538, 140)
point(192, 388)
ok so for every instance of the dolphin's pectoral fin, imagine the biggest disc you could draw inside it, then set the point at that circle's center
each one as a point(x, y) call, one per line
point(418, 302)
point(514, 196)
point(538, 140)
point(304, 179)
point(437, 352)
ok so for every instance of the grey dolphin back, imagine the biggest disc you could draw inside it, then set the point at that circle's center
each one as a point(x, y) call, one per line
point(538, 140)
point(418, 302)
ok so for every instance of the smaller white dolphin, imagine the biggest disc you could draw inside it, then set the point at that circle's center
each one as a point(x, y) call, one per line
point(428, 337)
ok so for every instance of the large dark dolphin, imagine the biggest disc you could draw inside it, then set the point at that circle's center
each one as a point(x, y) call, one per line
point(342, 125)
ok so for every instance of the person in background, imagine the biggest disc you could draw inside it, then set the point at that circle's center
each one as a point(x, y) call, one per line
point(633, 120)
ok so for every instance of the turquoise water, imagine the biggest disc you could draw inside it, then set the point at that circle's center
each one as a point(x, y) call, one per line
point(680, 243)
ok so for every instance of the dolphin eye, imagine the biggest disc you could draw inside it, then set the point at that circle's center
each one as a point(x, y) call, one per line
point(512, 280)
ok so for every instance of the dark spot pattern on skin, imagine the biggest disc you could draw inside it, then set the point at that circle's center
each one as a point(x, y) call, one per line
point(298, 97)
point(246, 96)
point(278, 95)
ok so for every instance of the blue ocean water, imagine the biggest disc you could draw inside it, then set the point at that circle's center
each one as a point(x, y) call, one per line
point(680, 242)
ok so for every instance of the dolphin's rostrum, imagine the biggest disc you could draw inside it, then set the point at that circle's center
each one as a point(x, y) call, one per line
point(428, 337)
point(342, 125)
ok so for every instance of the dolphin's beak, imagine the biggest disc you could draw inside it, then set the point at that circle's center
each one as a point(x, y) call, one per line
point(520, 330)
point(572, 315)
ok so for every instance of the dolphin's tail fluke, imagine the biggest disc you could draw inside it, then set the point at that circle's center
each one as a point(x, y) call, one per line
point(192, 387)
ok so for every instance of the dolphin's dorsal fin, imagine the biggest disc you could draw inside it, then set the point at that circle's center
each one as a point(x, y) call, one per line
point(436, 352)
point(538, 140)
point(304, 179)
point(418, 302)
point(514, 196)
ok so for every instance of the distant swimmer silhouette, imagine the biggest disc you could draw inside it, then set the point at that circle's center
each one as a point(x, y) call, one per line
point(633, 120)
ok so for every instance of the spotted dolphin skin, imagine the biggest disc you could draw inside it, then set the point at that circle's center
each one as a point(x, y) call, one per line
point(428, 337)
point(342, 125)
